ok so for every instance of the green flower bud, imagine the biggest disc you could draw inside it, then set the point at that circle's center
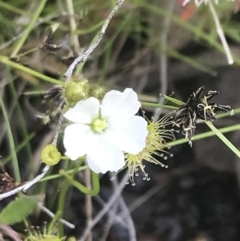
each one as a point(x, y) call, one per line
point(76, 91)
point(50, 155)
point(97, 91)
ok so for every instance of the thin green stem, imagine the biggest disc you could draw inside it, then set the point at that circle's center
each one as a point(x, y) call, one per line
point(61, 203)
point(36, 15)
point(51, 226)
point(55, 176)
point(205, 135)
point(63, 195)
point(192, 62)
point(18, 148)
point(223, 138)
point(11, 142)
point(7, 61)
point(81, 187)
point(156, 105)
point(235, 111)
point(173, 100)
point(21, 120)
point(28, 52)
point(12, 8)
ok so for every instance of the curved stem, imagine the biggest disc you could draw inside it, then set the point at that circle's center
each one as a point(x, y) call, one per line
point(81, 187)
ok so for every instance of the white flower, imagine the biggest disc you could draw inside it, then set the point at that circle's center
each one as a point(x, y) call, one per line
point(104, 131)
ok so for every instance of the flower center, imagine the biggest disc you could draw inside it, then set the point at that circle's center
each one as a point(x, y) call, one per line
point(99, 125)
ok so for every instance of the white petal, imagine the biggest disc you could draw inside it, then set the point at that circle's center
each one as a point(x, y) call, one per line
point(129, 136)
point(76, 140)
point(84, 111)
point(103, 156)
point(118, 106)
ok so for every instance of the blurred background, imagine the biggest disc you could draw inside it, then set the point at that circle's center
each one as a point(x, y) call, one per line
point(153, 47)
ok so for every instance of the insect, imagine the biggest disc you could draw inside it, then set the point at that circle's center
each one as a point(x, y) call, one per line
point(54, 99)
point(198, 107)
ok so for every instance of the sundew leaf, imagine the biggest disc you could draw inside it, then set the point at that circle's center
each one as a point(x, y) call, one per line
point(173, 100)
point(18, 209)
point(157, 105)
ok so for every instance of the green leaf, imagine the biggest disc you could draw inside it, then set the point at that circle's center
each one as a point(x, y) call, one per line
point(18, 209)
